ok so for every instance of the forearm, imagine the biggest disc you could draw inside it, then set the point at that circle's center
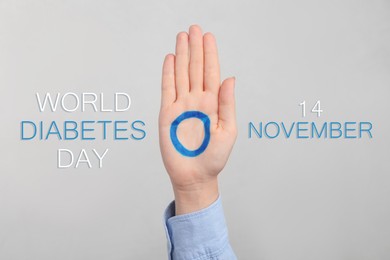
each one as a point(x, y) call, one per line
point(195, 197)
point(200, 235)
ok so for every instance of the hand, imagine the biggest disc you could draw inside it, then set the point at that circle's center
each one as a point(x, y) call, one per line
point(191, 82)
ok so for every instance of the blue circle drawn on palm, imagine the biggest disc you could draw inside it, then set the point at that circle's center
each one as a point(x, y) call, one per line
point(175, 140)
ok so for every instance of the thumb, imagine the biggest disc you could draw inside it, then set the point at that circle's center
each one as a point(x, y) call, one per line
point(226, 105)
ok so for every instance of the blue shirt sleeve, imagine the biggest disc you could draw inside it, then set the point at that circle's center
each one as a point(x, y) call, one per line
point(201, 235)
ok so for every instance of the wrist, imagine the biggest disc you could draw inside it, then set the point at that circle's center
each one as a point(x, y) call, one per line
point(195, 197)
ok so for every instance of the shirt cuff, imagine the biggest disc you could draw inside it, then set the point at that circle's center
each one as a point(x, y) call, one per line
point(199, 235)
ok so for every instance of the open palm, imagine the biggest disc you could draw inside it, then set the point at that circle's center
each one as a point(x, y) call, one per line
point(191, 83)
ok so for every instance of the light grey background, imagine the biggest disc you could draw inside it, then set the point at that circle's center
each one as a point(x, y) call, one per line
point(283, 199)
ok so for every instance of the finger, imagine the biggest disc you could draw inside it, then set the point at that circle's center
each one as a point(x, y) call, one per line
point(196, 58)
point(168, 91)
point(181, 65)
point(226, 107)
point(211, 64)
